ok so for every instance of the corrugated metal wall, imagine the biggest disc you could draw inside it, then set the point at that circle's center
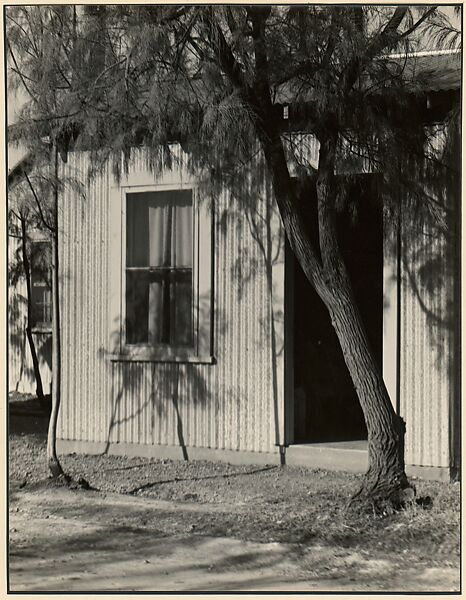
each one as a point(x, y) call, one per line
point(427, 346)
point(20, 370)
point(236, 403)
point(83, 242)
point(429, 327)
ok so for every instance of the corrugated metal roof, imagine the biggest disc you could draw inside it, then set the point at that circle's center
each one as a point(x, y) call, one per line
point(436, 70)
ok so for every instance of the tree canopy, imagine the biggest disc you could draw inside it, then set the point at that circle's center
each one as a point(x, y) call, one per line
point(230, 81)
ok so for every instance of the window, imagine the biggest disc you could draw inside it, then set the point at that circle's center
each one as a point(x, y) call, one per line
point(41, 285)
point(159, 269)
point(160, 266)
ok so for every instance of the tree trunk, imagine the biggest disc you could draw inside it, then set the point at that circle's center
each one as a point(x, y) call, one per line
point(326, 271)
point(32, 346)
point(52, 458)
point(385, 478)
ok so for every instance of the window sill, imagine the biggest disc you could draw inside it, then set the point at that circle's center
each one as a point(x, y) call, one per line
point(157, 358)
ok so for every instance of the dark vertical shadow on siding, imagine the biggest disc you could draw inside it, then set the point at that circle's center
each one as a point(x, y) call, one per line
point(179, 422)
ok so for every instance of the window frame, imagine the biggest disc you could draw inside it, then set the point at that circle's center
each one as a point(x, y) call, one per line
point(41, 326)
point(162, 351)
point(202, 274)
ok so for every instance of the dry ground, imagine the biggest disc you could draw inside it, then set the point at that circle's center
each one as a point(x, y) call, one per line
point(173, 525)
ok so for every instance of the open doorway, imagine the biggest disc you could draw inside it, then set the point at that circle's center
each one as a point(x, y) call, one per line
point(326, 407)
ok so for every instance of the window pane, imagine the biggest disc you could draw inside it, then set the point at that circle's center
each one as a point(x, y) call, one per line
point(160, 238)
point(183, 237)
point(182, 310)
point(41, 296)
point(160, 218)
point(137, 303)
point(159, 229)
point(41, 305)
point(41, 262)
point(137, 231)
point(157, 311)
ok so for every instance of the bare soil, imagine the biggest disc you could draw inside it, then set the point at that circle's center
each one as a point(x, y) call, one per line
point(159, 525)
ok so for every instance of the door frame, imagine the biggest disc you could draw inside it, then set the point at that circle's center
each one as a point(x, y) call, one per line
point(289, 319)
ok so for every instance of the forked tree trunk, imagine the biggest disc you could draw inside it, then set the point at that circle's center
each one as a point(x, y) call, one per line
point(385, 478)
point(52, 458)
point(32, 346)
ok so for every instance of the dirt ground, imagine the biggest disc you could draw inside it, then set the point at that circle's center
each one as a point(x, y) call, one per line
point(152, 525)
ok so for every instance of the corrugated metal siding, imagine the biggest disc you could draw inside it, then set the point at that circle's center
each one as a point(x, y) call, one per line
point(20, 370)
point(427, 361)
point(229, 404)
point(85, 410)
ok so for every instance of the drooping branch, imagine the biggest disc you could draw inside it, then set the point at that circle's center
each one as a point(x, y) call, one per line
point(385, 38)
point(419, 22)
point(225, 54)
point(20, 74)
point(41, 214)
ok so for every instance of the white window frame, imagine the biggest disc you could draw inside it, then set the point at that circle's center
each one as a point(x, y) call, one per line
point(39, 237)
point(202, 269)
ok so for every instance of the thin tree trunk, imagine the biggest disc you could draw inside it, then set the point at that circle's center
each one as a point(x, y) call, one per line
point(32, 346)
point(52, 458)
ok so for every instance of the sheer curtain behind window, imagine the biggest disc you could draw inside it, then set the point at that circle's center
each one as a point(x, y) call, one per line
point(159, 261)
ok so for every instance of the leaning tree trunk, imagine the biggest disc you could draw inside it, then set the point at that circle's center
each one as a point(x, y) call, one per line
point(385, 478)
point(52, 458)
point(326, 271)
point(32, 346)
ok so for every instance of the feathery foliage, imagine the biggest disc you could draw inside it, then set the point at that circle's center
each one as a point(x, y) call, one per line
point(218, 79)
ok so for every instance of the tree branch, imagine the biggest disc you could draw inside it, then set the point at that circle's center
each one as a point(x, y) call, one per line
point(14, 213)
point(226, 58)
point(41, 214)
point(259, 16)
point(26, 87)
point(425, 16)
point(386, 37)
point(308, 67)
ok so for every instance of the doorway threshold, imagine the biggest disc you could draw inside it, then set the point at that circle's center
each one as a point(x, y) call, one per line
point(350, 456)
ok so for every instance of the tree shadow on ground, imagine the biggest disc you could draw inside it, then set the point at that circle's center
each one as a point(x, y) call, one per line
point(146, 486)
point(136, 557)
point(103, 548)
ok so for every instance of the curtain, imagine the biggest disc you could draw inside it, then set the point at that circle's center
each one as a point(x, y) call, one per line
point(160, 259)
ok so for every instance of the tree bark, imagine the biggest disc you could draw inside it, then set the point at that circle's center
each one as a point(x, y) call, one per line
point(386, 477)
point(52, 458)
point(326, 271)
point(32, 346)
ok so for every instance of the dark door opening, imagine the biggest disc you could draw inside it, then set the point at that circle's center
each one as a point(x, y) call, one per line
point(326, 407)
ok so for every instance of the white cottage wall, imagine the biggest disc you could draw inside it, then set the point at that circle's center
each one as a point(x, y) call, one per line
point(235, 402)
